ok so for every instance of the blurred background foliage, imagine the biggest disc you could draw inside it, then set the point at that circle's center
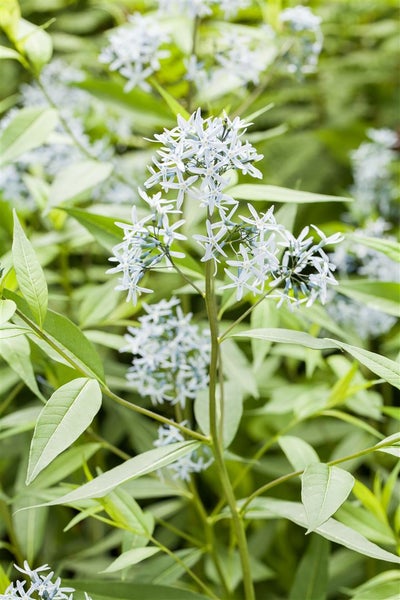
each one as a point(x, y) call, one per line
point(306, 139)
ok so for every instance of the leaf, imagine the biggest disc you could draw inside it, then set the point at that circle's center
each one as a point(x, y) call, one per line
point(265, 314)
point(273, 193)
point(30, 276)
point(147, 462)
point(77, 180)
point(323, 491)
point(67, 414)
point(7, 309)
point(110, 590)
point(34, 43)
point(130, 557)
point(65, 464)
point(9, 53)
point(267, 508)
point(298, 452)
point(103, 228)
point(66, 342)
point(387, 369)
point(379, 295)
point(232, 411)
point(16, 352)
point(311, 579)
point(29, 129)
point(388, 247)
point(172, 103)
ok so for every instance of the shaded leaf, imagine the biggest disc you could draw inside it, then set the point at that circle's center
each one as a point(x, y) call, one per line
point(311, 579)
point(267, 508)
point(298, 452)
point(29, 129)
point(77, 180)
point(30, 276)
point(131, 557)
point(323, 491)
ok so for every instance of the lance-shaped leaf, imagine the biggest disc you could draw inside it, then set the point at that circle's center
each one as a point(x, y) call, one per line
point(323, 491)
point(29, 129)
point(386, 368)
point(130, 557)
point(269, 508)
point(75, 181)
point(298, 452)
point(67, 414)
point(30, 276)
point(7, 309)
point(272, 193)
point(147, 462)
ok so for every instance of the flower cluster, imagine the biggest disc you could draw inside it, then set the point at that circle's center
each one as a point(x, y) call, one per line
point(171, 354)
point(146, 244)
point(40, 587)
point(134, 50)
point(243, 56)
point(202, 8)
point(373, 188)
point(193, 462)
point(364, 321)
point(195, 157)
point(306, 39)
point(194, 160)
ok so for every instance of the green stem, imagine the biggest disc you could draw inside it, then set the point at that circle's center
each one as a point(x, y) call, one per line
point(294, 474)
point(238, 525)
point(181, 563)
point(106, 391)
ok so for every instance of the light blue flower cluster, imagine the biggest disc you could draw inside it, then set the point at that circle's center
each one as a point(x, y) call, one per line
point(306, 39)
point(40, 586)
point(171, 354)
point(194, 162)
point(371, 161)
point(202, 8)
point(135, 50)
point(193, 462)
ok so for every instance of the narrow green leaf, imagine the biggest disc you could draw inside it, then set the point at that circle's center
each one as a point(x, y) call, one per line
point(385, 586)
point(16, 352)
point(147, 462)
point(311, 579)
point(387, 369)
point(103, 228)
point(130, 557)
point(172, 103)
point(388, 247)
point(380, 295)
point(29, 129)
point(67, 344)
point(273, 193)
point(34, 43)
point(77, 180)
point(111, 590)
point(231, 413)
point(30, 276)
point(267, 508)
point(323, 491)
point(67, 414)
point(298, 452)
point(7, 309)
point(9, 53)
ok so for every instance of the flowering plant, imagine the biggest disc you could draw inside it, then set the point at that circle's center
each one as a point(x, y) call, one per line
point(197, 365)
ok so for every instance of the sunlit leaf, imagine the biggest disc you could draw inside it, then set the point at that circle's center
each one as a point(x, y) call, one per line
point(30, 276)
point(29, 129)
point(67, 414)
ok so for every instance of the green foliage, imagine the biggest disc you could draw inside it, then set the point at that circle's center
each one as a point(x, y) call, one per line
point(298, 424)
